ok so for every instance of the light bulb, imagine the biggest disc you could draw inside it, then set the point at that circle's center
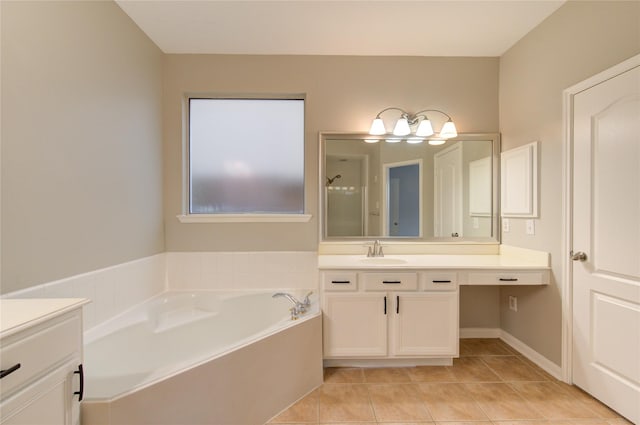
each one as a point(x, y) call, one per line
point(415, 140)
point(393, 140)
point(448, 130)
point(402, 127)
point(377, 127)
point(371, 140)
point(436, 142)
point(424, 128)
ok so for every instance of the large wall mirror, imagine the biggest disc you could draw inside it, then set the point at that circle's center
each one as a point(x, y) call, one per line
point(371, 188)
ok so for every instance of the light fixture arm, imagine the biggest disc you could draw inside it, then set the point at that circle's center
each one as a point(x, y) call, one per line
point(392, 108)
point(412, 118)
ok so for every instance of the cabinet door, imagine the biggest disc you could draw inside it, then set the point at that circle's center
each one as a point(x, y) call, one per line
point(424, 324)
point(355, 324)
point(49, 400)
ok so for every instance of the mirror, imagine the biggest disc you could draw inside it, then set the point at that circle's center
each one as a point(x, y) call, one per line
point(371, 188)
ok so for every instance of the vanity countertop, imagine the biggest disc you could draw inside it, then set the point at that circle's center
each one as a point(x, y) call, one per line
point(17, 314)
point(509, 258)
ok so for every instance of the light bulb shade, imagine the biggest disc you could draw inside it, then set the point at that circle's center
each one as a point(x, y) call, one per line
point(424, 128)
point(402, 127)
point(371, 140)
point(436, 142)
point(393, 140)
point(377, 127)
point(415, 140)
point(448, 130)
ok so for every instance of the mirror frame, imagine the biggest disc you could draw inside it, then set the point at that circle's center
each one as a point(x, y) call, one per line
point(495, 193)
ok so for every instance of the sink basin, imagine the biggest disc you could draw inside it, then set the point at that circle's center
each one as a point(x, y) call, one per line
point(382, 261)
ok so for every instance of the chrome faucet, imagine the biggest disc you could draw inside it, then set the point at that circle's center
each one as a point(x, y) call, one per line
point(299, 307)
point(375, 250)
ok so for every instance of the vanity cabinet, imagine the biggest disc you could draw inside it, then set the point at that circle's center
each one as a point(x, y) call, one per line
point(42, 372)
point(389, 315)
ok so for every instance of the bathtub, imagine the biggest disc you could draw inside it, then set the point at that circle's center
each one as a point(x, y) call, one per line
point(201, 357)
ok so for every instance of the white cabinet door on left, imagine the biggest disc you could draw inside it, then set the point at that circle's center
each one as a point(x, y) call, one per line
point(48, 401)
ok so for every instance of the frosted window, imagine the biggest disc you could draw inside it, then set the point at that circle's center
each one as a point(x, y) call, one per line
point(246, 156)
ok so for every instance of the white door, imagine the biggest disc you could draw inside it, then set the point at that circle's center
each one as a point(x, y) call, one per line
point(355, 324)
point(424, 324)
point(606, 242)
point(447, 191)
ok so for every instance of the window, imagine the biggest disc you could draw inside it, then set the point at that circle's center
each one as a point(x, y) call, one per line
point(246, 157)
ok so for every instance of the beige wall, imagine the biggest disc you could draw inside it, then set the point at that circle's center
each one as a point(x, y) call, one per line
point(577, 41)
point(342, 94)
point(81, 141)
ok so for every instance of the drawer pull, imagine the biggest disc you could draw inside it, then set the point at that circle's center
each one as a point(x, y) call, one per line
point(385, 305)
point(392, 282)
point(397, 304)
point(441, 281)
point(80, 393)
point(9, 371)
point(508, 279)
point(341, 282)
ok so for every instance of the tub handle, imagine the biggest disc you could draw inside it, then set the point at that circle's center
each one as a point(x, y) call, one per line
point(80, 393)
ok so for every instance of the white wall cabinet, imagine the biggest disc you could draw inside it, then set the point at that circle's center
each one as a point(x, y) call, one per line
point(389, 315)
point(42, 373)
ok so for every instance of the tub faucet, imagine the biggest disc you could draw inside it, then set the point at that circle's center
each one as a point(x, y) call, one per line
point(375, 250)
point(299, 307)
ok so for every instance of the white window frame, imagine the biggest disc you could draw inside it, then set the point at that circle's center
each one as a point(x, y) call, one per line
point(187, 216)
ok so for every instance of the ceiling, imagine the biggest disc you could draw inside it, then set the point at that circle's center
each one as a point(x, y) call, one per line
point(331, 27)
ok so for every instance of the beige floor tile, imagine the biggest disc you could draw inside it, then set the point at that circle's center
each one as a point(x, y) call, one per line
point(344, 402)
point(555, 422)
point(387, 375)
point(397, 402)
point(485, 347)
point(450, 402)
point(304, 411)
point(431, 374)
point(343, 375)
point(554, 402)
point(512, 368)
point(601, 410)
point(472, 369)
point(466, 423)
point(501, 402)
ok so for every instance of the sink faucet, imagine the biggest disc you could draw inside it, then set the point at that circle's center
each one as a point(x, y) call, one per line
point(375, 250)
point(299, 307)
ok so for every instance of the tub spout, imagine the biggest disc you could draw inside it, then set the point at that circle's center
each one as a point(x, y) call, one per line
point(299, 307)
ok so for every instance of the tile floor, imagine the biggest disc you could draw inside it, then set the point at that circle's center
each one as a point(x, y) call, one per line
point(490, 383)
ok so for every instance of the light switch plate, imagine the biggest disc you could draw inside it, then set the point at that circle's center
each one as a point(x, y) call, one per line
point(531, 227)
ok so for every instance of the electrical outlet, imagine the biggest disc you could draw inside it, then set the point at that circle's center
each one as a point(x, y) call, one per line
point(506, 226)
point(531, 227)
point(513, 303)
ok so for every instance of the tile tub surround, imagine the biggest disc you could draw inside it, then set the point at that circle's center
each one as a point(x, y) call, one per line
point(491, 383)
point(114, 290)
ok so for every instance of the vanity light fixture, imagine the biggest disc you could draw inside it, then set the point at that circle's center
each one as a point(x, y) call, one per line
point(420, 120)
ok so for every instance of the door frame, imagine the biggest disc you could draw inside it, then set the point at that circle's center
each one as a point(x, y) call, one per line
point(460, 216)
point(567, 205)
point(385, 193)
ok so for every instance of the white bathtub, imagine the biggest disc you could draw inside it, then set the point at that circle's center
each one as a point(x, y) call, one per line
point(184, 357)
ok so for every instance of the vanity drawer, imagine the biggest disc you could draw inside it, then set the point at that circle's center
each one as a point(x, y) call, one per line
point(340, 281)
point(508, 277)
point(396, 281)
point(439, 280)
point(38, 351)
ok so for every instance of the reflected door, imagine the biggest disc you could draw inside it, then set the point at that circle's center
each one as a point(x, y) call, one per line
point(345, 195)
point(403, 199)
point(606, 229)
point(447, 191)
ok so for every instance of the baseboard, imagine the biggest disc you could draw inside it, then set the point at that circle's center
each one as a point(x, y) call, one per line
point(540, 360)
point(480, 333)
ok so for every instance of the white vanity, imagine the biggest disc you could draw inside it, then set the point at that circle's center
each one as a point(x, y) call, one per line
point(41, 361)
point(403, 309)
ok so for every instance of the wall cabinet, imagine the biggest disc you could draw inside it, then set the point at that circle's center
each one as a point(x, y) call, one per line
point(389, 315)
point(42, 373)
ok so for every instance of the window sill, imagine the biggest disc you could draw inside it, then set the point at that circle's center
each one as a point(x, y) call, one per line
point(244, 218)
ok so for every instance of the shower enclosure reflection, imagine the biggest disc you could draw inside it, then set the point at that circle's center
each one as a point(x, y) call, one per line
point(417, 191)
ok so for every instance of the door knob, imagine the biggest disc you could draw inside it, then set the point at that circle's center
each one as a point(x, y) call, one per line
point(578, 256)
